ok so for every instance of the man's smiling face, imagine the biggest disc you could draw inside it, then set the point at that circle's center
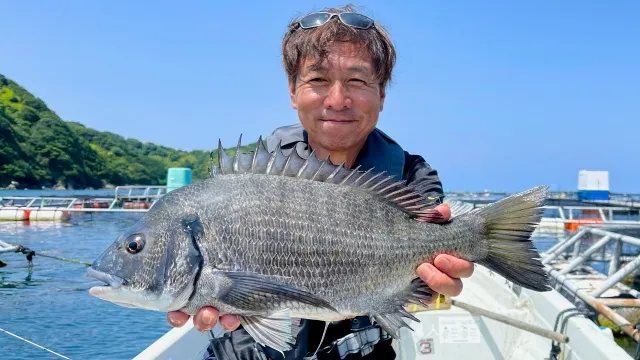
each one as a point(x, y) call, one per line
point(338, 101)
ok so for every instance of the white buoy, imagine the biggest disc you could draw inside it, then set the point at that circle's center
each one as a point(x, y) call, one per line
point(49, 214)
point(13, 214)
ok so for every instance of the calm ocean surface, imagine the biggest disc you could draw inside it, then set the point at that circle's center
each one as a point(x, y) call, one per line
point(49, 304)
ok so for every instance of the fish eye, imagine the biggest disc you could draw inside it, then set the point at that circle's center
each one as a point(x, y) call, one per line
point(135, 243)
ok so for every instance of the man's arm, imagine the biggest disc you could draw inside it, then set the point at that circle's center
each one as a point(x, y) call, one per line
point(422, 176)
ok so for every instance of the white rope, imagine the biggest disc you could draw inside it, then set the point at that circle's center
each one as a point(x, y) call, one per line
point(34, 344)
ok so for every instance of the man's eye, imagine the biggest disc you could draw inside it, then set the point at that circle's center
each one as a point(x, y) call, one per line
point(357, 81)
point(316, 80)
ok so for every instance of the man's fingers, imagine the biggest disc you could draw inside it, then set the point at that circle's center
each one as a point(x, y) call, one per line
point(229, 322)
point(205, 318)
point(453, 266)
point(438, 281)
point(177, 318)
point(445, 210)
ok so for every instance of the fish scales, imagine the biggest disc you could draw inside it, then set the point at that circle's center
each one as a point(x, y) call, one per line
point(274, 237)
point(296, 224)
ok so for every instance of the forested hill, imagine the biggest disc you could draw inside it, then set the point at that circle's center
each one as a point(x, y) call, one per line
point(38, 149)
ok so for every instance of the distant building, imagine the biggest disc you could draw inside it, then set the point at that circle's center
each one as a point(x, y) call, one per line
point(593, 185)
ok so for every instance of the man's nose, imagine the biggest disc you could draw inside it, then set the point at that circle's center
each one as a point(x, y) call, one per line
point(338, 97)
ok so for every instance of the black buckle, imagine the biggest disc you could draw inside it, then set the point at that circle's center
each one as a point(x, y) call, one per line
point(360, 322)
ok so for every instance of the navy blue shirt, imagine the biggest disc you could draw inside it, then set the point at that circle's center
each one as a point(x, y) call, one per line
point(379, 152)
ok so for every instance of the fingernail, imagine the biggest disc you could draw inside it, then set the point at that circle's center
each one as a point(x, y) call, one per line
point(172, 321)
point(428, 274)
point(208, 319)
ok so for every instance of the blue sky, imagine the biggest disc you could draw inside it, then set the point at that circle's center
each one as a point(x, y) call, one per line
point(495, 95)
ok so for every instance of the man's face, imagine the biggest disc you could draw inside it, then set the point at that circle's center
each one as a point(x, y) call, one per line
point(338, 103)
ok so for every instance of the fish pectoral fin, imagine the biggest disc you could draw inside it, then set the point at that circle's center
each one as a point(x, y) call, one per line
point(260, 292)
point(277, 331)
point(393, 322)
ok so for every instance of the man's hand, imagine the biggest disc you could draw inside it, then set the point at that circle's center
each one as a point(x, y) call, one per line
point(204, 320)
point(444, 277)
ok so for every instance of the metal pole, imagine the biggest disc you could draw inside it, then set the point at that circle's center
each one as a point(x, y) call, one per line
point(619, 275)
point(576, 249)
point(614, 263)
point(596, 304)
point(584, 256)
point(555, 336)
point(614, 302)
point(628, 239)
point(562, 246)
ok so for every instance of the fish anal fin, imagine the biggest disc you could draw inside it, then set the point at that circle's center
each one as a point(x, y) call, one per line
point(392, 322)
point(277, 330)
point(255, 292)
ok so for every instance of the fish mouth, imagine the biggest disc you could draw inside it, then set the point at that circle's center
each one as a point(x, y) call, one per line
point(113, 281)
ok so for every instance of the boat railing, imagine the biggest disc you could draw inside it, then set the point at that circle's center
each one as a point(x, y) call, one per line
point(566, 263)
point(569, 213)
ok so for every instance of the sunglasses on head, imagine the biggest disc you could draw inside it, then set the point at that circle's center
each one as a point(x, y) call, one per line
point(348, 18)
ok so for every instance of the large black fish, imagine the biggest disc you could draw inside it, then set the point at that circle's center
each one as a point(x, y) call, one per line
point(275, 238)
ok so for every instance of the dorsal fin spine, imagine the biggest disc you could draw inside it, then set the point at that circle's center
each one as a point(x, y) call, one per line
point(272, 159)
point(220, 156)
point(335, 172)
point(401, 182)
point(380, 182)
point(254, 161)
point(305, 163)
point(344, 181)
point(287, 163)
point(409, 201)
point(328, 160)
point(236, 156)
point(372, 178)
point(405, 196)
point(355, 182)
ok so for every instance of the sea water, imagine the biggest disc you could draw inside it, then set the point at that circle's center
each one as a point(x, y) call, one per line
point(49, 304)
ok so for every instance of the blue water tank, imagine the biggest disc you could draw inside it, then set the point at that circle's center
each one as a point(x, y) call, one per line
point(178, 177)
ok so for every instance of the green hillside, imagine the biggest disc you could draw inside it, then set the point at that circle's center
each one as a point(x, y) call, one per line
point(38, 149)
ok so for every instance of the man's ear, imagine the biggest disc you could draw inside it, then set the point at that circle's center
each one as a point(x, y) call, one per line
point(383, 95)
point(292, 94)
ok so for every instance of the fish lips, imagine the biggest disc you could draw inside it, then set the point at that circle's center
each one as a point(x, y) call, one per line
point(113, 282)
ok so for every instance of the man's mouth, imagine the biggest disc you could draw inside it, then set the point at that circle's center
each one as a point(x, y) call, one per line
point(338, 121)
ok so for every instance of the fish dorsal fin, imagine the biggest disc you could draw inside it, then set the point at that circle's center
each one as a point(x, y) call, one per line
point(261, 161)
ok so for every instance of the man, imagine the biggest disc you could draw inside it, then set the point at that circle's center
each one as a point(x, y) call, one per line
point(338, 64)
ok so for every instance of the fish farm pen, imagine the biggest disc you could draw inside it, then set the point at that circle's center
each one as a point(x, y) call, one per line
point(141, 198)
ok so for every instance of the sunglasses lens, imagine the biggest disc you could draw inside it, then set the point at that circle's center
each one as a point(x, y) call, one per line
point(314, 20)
point(356, 20)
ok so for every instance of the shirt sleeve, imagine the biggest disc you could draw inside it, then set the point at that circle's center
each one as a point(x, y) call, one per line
point(418, 173)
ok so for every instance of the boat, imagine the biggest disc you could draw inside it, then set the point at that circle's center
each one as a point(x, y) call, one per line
point(449, 331)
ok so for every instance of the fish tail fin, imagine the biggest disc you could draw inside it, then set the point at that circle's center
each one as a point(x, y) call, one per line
point(508, 225)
